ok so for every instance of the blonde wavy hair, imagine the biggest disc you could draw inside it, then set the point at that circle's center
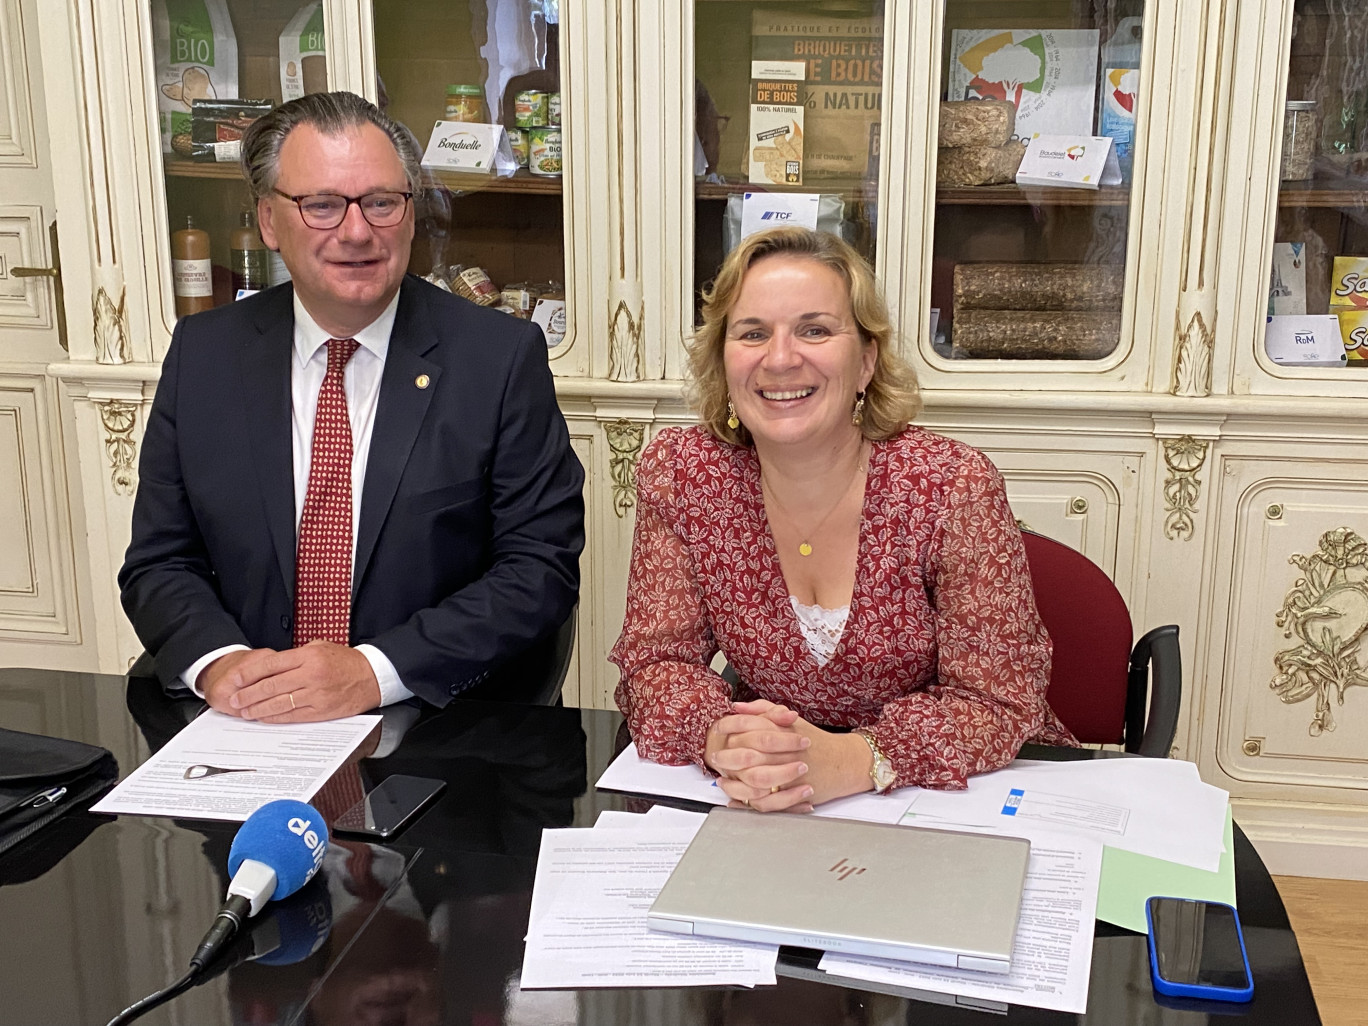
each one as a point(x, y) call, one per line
point(892, 398)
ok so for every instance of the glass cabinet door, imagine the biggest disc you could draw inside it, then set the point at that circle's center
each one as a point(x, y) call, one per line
point(788, 102)
point(1033, 178)
point(491, 234)
point(495, 238)
point(218, 65)
point(1318, 282)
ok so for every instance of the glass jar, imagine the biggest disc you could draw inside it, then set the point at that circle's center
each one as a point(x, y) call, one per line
point(1299, 140)
point(465, 103)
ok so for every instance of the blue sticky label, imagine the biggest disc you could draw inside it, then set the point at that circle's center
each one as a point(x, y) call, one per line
point(1014, 796)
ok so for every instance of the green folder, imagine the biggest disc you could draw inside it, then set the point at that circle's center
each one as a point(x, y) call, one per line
point(1129, 879)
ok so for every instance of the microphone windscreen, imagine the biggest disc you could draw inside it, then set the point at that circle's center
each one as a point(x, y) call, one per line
point(302, 921)
point(288, 836)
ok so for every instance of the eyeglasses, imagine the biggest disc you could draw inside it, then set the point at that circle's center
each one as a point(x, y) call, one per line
point(326, 210)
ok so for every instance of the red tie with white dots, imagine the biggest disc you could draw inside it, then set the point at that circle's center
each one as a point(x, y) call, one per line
point(323, 560)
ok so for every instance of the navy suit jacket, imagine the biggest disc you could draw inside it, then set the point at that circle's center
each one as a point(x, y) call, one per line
point(472, 513)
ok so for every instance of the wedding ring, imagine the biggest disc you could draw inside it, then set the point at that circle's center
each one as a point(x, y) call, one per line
point(292, 705)
point(774, 789)
point(745, 802)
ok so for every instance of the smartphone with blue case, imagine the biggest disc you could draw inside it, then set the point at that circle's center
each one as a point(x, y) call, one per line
point(1197, 950)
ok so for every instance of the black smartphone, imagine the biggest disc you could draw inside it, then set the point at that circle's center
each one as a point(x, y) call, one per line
point(1197, 950)
point(389, 806)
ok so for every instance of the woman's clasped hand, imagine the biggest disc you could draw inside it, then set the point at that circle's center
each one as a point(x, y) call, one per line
point(769, 758)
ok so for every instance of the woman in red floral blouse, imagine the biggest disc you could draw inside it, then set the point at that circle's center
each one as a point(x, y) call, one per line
point(857, 572)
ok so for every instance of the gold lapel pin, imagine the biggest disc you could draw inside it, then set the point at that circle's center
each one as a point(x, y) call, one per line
point(422, 380)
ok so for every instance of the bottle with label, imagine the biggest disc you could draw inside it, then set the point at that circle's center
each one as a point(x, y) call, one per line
point(249, 259)
point(191, 271)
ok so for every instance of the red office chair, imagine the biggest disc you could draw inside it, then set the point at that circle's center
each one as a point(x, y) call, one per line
point(1098, 683)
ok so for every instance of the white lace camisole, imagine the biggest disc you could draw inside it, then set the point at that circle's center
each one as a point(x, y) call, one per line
point(822, 628)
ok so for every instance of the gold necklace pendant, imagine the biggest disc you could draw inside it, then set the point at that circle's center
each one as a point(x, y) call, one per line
point(804, 549)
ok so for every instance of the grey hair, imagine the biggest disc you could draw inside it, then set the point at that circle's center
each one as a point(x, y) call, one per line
point(331, 114)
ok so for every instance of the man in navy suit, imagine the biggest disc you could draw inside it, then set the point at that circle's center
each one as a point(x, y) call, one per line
point(466, 510)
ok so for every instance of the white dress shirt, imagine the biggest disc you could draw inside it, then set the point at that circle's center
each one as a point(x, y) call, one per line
point(361, 384)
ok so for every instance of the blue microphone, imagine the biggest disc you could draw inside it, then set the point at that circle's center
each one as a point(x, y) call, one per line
point(275, 853)
point(283, 933)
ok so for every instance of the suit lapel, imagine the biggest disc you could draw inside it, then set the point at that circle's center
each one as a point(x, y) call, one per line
point(398, 417)
point(264, 364)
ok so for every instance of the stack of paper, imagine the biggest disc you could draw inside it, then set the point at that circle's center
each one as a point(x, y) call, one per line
point(1155, 807)
point(1052, 952)
point(589, 904)
point(1165, 831)
point(631, 773)
point(225, 767)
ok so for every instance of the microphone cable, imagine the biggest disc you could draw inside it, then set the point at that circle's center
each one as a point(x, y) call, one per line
point(159, 998)
point(225, 928)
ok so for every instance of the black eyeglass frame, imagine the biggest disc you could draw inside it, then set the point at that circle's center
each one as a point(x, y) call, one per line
point(298, 202)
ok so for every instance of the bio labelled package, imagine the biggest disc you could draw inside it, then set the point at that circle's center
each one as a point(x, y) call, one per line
point(303, 54)
point(196, 57)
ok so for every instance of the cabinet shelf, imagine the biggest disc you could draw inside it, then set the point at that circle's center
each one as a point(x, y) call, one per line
point(1034, 196)
point(1327, 192)
point(522, 182)
point(982, 195)
point(177, 167)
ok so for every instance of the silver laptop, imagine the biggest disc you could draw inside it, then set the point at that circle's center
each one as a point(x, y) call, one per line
point(940, 897)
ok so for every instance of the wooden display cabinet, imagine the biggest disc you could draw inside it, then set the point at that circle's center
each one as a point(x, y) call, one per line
point(1328, 211)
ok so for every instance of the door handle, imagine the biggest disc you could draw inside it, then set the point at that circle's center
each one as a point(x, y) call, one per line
point(55, 273)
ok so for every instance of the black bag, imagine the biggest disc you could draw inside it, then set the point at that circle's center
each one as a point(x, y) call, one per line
point(42, 778)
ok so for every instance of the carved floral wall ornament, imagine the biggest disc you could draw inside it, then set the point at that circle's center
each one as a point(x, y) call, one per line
point(111, 328)
point(119, 418)
point(625, 440)
point(625, 358)
point(1184, 457)
point(1192, 360)
point(1327, 611)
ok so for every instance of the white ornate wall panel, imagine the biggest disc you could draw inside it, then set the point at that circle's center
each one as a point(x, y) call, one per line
point(37, 598)
point(24, 302)
point(1293, 694)
point(1079, 506)
point(16, 111)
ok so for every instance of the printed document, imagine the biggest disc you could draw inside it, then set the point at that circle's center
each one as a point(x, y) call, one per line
point(1155, 807)
point(1052, 953)
point(590, 901)
point(223, 767)
point(631, 773)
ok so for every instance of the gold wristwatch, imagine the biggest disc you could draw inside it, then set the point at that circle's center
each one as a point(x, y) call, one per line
point(881, 772)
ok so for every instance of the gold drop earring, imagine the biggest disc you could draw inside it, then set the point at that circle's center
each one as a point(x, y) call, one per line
point(857, 418)
point(733, 421)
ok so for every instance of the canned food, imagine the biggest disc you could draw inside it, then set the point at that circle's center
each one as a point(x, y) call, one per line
point(544, 152)
point(553, 112)
point(518, 143)
point(530, 109)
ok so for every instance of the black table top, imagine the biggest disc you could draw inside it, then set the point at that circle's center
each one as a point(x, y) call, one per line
point(429, 930)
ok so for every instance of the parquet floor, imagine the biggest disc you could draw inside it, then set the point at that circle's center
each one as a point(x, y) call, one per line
point(1330, 918)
